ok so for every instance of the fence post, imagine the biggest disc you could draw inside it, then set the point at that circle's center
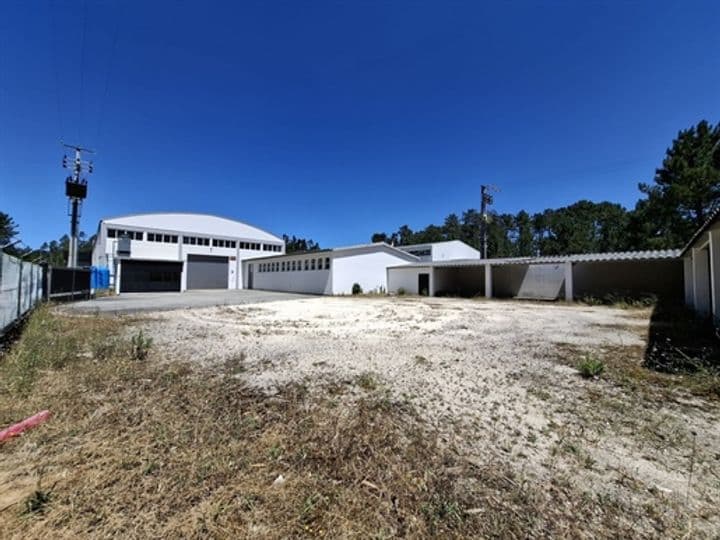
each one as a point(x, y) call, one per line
point(19, 298)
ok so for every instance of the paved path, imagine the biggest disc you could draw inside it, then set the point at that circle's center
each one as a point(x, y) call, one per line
point(139, 302)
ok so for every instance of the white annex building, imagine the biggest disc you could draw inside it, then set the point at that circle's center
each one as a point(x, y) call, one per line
point(329, 271)
point(178, 251)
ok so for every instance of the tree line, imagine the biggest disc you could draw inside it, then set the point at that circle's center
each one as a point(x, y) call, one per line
point(684, 190)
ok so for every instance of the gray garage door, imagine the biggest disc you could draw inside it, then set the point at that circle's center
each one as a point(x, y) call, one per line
point(207, 272)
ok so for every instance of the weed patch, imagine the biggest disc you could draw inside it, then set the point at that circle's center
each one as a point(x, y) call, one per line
point(590, 367)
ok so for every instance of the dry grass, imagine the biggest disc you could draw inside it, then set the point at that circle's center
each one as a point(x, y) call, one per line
point(140, 449)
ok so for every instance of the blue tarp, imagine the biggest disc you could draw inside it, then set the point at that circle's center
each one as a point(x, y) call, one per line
point(99, 277)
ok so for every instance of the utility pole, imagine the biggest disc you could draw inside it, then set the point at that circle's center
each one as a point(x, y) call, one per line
point(76, 192)
point(486, 199)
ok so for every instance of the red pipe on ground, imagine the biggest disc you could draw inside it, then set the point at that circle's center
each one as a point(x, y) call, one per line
point(17, 429)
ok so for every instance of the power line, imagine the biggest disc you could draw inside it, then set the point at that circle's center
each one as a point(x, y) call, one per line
point(82, 70)
point(106, 90)
point(56, 68)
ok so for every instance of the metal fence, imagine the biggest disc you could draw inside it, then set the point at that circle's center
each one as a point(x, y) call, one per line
point(21, 288)
point(67, 284)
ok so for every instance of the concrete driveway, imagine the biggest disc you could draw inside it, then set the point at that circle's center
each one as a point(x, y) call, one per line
point(164, 301)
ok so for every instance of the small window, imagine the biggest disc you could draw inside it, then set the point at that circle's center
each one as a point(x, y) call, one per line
point(233, 244)
point(277, 266)
point(173, 239)
point(306, 264)
point(111, 233)
point(293, 266)
point(215, 242)
point(312, 264)
point(193, 240)
point(151, 237)
point(327, 263)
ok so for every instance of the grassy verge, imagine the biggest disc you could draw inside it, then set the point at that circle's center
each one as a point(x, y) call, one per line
point(143, 448)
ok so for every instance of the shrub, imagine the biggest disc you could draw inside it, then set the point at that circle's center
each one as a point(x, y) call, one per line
point(367, 381)
point(401, 291)
point(356, 288)
point(140, 346)
point(590, 367)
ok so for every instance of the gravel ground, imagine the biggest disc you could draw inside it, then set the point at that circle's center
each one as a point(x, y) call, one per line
point(493, 377)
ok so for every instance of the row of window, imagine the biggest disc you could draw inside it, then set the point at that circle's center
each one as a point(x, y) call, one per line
point(295, 266)
point(193, 240)
point(196, 241)
point(117, 233)
point(166, 238)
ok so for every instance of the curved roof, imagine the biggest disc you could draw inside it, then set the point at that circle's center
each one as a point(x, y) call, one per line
point(187, 222)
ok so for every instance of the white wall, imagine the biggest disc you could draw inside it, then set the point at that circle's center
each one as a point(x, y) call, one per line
point(368, 269)
point(688, 276)
point(701, 281)
point(302, 281)
point(454, 249)
point(407, 278)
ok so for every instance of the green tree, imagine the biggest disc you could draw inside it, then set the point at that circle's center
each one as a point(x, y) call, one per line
point(452, 228)
point(294, 244)
point(405, 236)
point(524, 243)
point(8, 229)
point(685, 190)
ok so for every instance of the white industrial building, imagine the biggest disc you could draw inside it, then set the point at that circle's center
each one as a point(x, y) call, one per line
point(328, 271)
point(178, 251)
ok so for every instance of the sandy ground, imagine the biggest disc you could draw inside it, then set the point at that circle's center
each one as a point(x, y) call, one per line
point(491, 376)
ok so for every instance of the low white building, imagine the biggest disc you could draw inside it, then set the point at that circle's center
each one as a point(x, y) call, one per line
point(178, 251)
point(329, 271)
point(629, 273)
point(701, 260)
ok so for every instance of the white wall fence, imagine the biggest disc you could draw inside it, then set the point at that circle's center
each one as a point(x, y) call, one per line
point(21, 288)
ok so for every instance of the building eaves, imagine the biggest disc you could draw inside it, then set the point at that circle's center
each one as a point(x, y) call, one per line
point(343, 249)
point(709, 222)
point(553, 259)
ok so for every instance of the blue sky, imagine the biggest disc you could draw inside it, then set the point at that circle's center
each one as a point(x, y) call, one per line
point(332, 120)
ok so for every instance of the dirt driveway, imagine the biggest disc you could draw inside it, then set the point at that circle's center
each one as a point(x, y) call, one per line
point(496, 379)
